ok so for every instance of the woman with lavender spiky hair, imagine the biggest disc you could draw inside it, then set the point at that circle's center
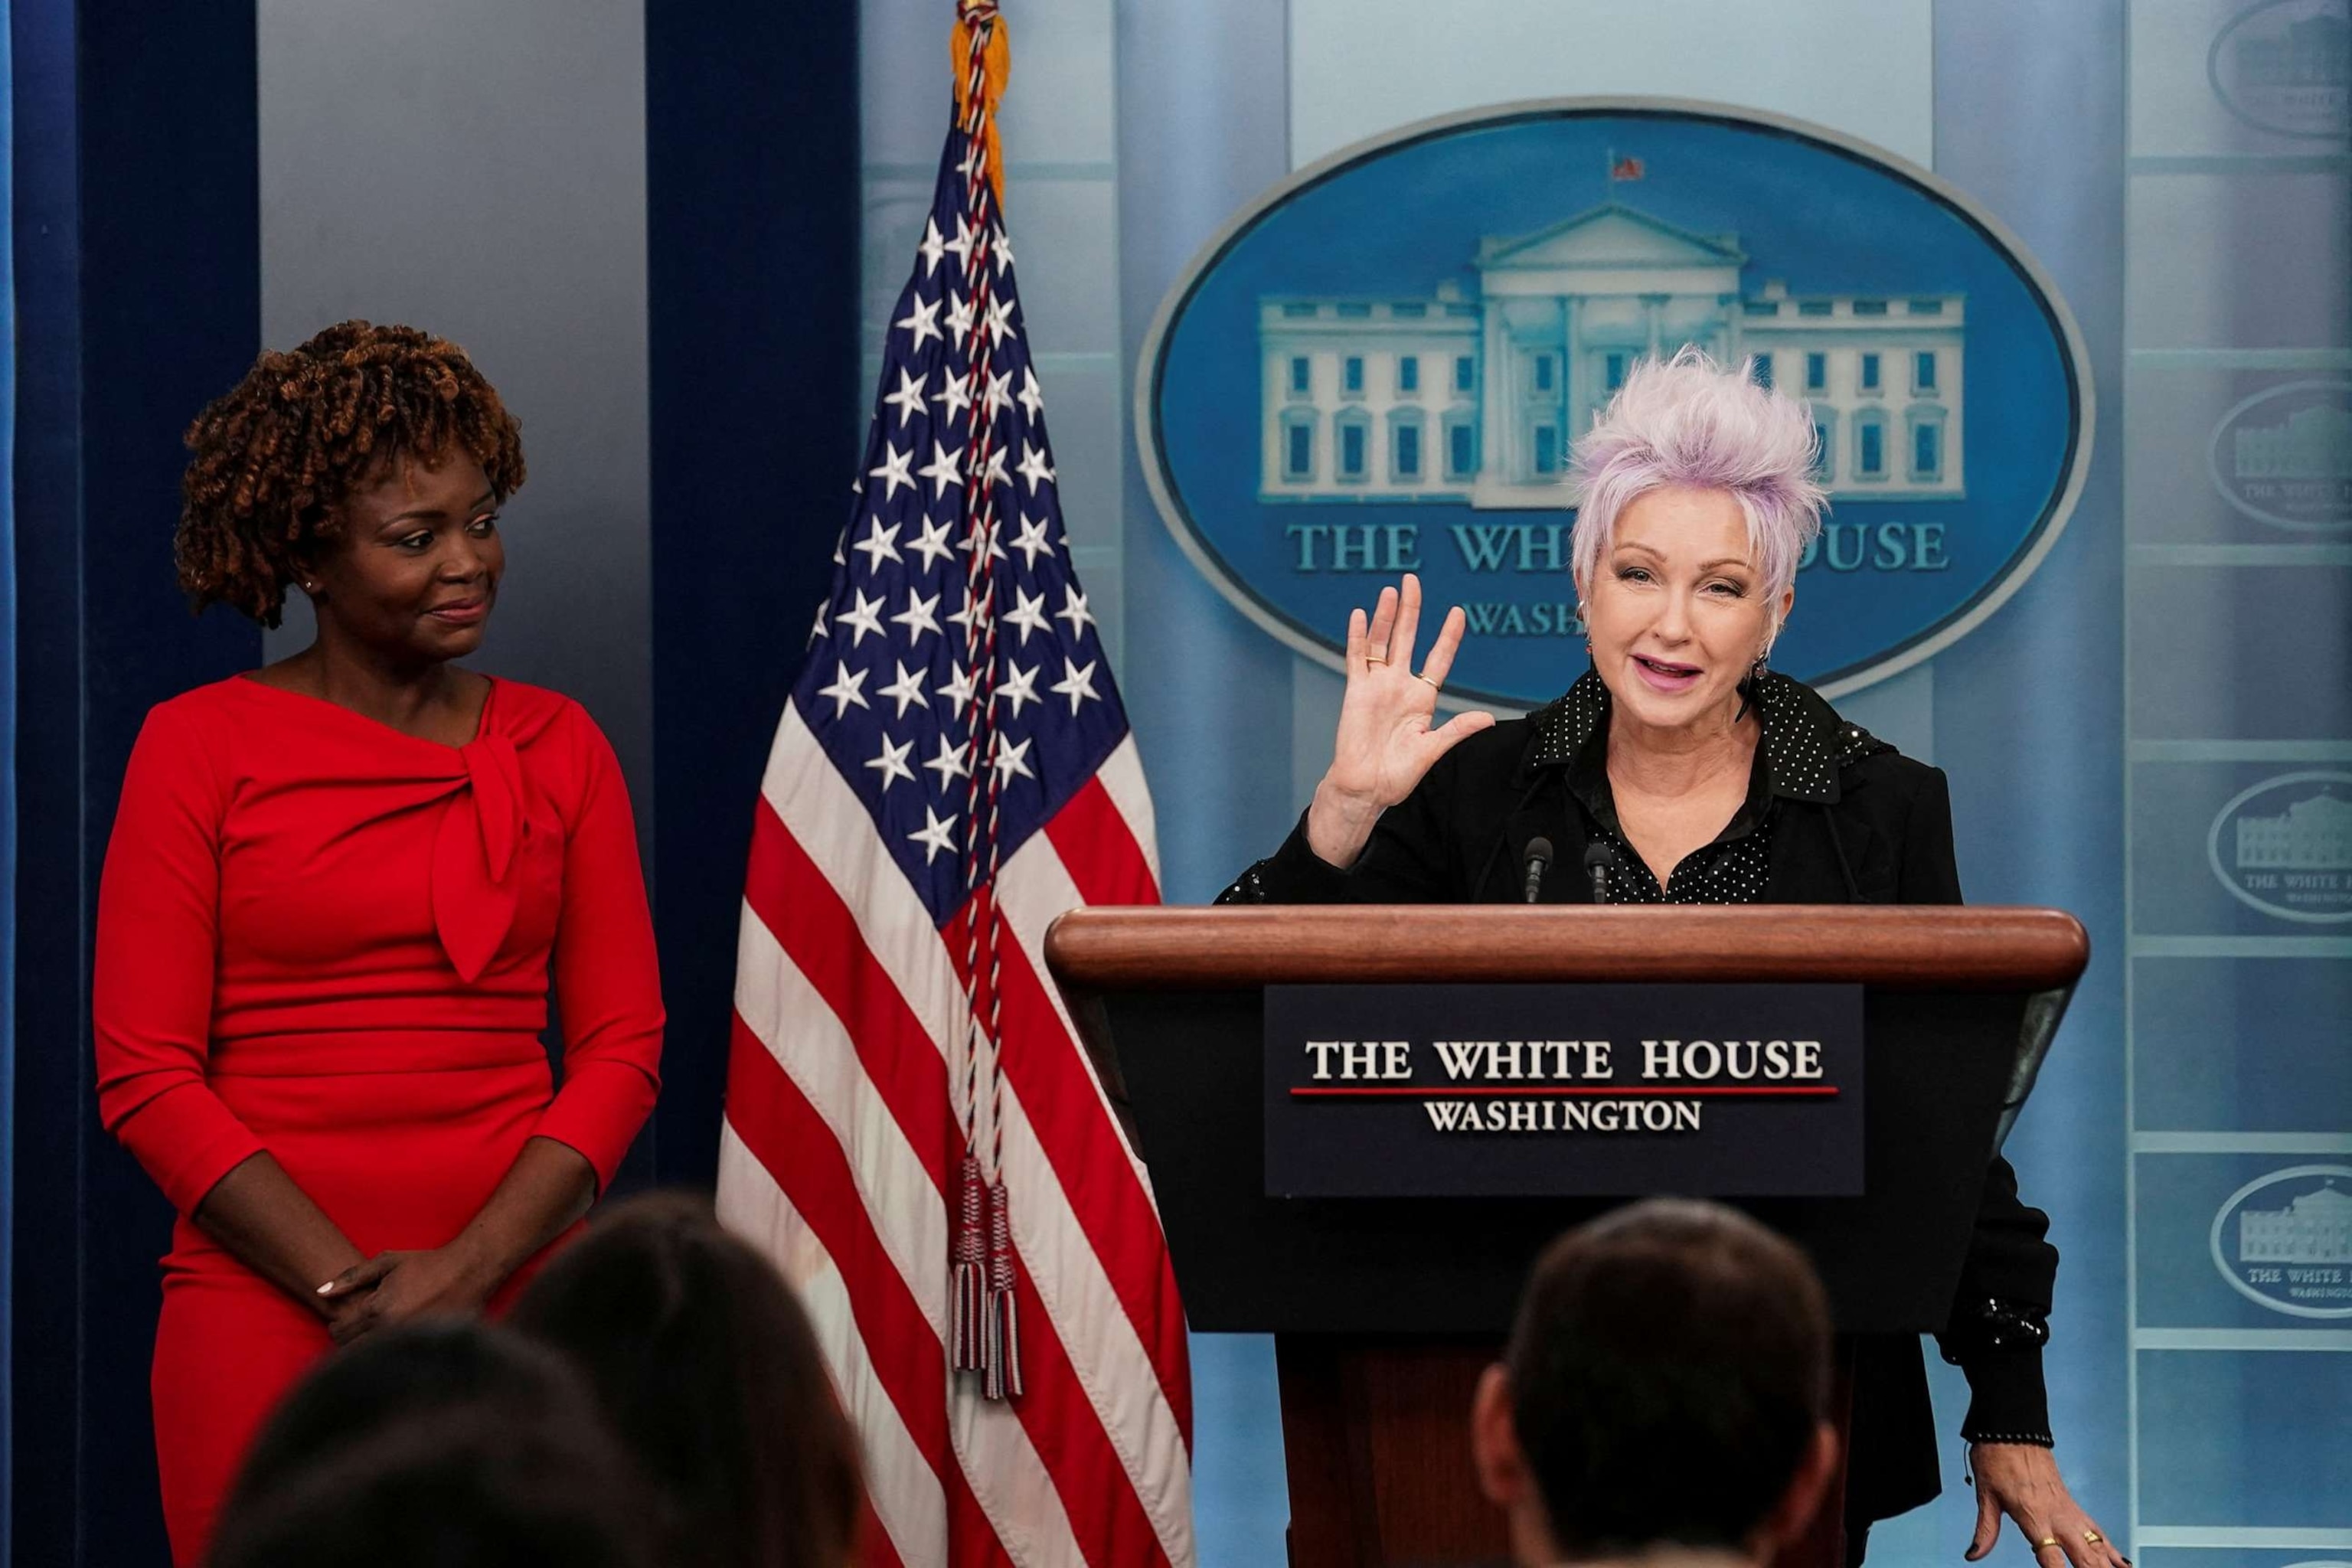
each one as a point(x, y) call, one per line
point(1683, 770)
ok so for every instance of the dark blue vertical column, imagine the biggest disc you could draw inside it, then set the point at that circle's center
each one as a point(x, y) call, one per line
point(136, 225)
point(753, 219)
point(7, 820)
point(45, 1218)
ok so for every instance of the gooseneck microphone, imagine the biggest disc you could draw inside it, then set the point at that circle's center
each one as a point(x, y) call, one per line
point(1598, 858)
point(1538, 861)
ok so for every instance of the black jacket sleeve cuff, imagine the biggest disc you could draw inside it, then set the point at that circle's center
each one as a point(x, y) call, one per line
point(2007, 1401)
point(1293, 874)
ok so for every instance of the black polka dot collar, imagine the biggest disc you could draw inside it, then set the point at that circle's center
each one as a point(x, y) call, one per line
point(1806, 744)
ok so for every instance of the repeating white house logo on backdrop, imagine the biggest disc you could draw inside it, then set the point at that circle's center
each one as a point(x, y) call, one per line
point(2285, 455)
point(2286, 67)
point(2285, 846)
point(1383, 363)
point(2285, 1240)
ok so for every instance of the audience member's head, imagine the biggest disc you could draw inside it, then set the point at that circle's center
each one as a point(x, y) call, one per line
point(1666, 1385)
point(454, 1444)
point(414, 1369)
point(707, 1368)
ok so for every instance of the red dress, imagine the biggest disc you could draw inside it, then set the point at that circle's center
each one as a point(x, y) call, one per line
point(323, 938)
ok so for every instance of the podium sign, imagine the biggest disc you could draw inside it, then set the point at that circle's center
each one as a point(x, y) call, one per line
point(1563, 1090)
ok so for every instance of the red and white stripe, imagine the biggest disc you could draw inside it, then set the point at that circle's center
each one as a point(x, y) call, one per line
point(844, 1126)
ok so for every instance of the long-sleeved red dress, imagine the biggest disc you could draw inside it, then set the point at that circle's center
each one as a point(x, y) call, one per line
point(324, 937)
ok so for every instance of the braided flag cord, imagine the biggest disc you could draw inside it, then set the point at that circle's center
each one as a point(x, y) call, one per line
point(913, 1128)
point(983, 1300)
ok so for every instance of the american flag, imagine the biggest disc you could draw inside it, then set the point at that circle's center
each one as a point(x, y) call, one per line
point(953, 771)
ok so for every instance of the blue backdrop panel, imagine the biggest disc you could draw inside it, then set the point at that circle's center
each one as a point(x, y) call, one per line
point(2206, 1261)
point(2233, 1557)
point(2218, 849)
point(2252, 1043)
point(2218, 446)
point(2282, 1412)
point(2230, 644)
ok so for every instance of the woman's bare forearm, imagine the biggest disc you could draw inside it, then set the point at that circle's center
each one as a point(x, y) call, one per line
point(550, 1185)
point(273, 1228)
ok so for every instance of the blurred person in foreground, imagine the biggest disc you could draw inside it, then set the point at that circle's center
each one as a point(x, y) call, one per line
point(704, 1362)
point(449, 1444)
point(1664, 1395)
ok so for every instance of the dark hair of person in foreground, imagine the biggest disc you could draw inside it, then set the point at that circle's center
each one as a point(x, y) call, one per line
point(1667, 1384)
point(409, 1369)
point(449, 1444)
point(706, 1364)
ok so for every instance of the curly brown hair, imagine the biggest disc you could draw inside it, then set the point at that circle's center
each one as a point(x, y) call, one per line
point(277, 455)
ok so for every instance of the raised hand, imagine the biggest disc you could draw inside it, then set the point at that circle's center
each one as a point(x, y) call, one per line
point(1385, 742)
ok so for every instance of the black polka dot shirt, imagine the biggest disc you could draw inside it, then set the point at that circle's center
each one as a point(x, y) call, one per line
point(1804, 745)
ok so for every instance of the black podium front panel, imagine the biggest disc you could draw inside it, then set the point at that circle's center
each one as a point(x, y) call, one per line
point(1937, 1064)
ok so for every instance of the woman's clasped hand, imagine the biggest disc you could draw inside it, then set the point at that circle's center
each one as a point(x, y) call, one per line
point(394, 1287)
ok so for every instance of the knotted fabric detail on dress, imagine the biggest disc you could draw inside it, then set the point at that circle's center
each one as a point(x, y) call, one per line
point(474, 886)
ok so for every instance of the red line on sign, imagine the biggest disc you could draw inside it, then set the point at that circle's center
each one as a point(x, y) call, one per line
point(1447, 1091)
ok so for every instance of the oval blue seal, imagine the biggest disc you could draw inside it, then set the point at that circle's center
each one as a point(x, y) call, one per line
point(2281, 65)
point(2285, 1240)
point(1380, 365)
point(2285, 455)
point(2285, 847)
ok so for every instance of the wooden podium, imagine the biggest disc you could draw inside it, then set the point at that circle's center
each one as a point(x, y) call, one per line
point(1384, 1310)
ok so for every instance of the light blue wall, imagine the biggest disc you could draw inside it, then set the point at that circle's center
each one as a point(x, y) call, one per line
point(2203, 261)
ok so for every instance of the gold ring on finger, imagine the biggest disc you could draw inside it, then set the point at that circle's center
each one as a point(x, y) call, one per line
point(2045, 1543)
point(2092, 1536)
point(1376, 658)
point(1433, 685)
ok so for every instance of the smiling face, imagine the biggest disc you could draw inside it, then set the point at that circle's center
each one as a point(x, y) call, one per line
point(1677, 609)
point(413, 572)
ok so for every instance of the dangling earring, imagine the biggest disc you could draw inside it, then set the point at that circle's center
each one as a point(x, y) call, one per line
point(1746, 687)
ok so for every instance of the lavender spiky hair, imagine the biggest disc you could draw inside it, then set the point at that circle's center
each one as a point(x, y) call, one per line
point(1688, 421)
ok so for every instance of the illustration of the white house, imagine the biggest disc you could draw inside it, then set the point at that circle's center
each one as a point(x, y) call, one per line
point(1459, 397)
point(2314, 1228)
point(2313, 835)
point(2309, 444)
point(2310, 55)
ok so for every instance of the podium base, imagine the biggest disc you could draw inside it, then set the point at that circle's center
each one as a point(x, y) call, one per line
point(1376, 1444)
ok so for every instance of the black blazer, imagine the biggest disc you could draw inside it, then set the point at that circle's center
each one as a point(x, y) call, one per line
point(1845, 820)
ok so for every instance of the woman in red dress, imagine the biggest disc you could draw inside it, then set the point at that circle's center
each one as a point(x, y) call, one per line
point(337, 893)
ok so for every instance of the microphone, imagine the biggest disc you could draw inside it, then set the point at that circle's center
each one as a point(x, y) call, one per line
point(1538, 861)
point(1598, 860)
